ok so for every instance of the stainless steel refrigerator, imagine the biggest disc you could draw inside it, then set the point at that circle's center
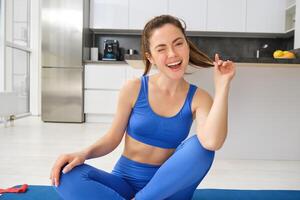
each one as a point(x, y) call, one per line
point(64, 47)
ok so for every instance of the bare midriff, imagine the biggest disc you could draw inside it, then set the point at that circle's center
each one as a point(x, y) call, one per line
point(145, 153)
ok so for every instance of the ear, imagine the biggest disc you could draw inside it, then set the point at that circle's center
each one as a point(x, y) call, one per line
point(149, 57)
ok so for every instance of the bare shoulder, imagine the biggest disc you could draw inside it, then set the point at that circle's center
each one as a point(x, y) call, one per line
point(201, 99)
point(132, 84)
point(130, 90)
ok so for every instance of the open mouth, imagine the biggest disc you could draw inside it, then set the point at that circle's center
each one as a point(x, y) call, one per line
point(175, 65)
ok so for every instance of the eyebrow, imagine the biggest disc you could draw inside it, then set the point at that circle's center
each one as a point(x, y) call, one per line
point(163, 45)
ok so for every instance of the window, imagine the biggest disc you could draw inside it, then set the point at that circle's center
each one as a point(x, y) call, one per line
point(15, 51)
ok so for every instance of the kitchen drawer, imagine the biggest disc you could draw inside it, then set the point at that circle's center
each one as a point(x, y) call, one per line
point(137, 73)
point(100, 101)
point(111, 76)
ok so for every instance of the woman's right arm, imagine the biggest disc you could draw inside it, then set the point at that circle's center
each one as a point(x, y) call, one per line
point(109, 141)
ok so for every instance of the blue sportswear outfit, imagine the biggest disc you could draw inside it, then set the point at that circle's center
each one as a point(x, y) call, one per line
point(176, 179)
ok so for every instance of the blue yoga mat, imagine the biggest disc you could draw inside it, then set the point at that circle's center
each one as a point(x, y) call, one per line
point(225, 194)
point(36, 192)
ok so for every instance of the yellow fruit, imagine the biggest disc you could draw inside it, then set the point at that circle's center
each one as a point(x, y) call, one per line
point(278, 54)
point(288, 54)
point(283, 54)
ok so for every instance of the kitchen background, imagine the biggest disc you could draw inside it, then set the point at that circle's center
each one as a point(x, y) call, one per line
point(235, 48)
point(264, 101)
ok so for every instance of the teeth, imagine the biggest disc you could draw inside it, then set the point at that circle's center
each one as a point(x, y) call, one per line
point(175, 63)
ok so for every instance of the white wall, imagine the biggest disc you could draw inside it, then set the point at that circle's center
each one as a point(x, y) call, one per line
point(35, 59)
point(1, 45)
point(264, 112)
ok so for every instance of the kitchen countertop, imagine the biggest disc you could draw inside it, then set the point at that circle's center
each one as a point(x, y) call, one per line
point(265, 60)
point(105, 62)
point(239, 60)
point(136, 61)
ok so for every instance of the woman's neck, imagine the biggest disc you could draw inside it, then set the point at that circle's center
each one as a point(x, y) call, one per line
point(170, 86)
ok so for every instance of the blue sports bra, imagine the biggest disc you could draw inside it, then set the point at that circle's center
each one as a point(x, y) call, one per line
point(148, 127)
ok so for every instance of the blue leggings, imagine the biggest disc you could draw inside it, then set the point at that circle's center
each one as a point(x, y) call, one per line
point(176, 179)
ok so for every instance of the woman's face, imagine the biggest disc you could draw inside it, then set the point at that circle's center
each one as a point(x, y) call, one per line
point(169, 51)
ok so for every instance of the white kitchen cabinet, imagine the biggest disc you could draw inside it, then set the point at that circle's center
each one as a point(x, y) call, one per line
point(103, 82)
point(109, 14)
point(266, 16)
point(141, 11)
point(297, 26)
point(108, 77)
point(137, 73)
point(257, 16)
point(133, 73)
point(102, 85)
point(100, 101)
point(193, 12)
point(226, 15)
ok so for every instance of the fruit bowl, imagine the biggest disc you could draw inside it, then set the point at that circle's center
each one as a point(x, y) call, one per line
point(279, 54)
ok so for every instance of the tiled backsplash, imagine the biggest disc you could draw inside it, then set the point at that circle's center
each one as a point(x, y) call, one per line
point(227, 47)
point(242, 47)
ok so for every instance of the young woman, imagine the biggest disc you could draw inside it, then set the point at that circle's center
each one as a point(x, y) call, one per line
point(155, 114)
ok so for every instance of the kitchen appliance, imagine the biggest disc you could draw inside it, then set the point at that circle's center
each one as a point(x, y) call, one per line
point(64, 36)
point(111, 50)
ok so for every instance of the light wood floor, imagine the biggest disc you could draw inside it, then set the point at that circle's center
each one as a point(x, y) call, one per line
point(29, 148)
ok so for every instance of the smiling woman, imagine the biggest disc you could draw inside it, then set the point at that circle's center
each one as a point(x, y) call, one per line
point(155, 114)
point(196, 57)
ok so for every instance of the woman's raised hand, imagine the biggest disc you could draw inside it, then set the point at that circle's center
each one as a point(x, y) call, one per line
point(224, 71)
point(66, 163)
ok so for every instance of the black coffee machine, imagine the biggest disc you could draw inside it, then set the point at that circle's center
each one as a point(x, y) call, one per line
point(111, 50)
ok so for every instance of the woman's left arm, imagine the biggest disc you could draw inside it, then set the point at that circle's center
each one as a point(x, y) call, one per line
point(212, 116)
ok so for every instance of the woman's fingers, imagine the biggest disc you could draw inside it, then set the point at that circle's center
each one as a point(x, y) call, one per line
point(69, 167)
point(217, 58)
point(223, 66)
point(64, 164)
point(55, 173)
point(217, 61)
point(55, 176)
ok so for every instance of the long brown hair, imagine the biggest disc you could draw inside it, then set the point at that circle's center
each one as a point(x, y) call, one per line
point(197, 57)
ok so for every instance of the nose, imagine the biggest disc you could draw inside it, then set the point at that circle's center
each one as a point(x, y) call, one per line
point(171, 52)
